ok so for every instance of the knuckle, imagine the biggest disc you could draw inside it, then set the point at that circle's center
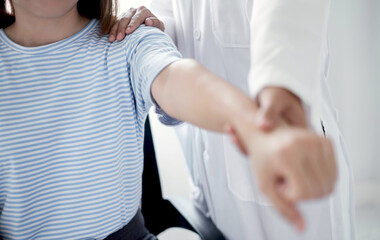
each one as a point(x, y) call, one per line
point(146, 12)
point(141, 8)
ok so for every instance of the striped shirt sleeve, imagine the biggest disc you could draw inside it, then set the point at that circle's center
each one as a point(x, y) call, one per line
point(152, 52)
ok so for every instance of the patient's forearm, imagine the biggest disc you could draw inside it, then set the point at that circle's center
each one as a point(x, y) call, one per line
point(187, 91)
point(285, 155)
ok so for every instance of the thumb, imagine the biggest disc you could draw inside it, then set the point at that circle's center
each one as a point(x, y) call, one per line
point(155, 22)
point(296, 116)
point(268, 115)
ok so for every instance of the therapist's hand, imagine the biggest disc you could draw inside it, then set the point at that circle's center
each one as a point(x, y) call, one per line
point(131, 20)
point(291, 164)
point(277, 104)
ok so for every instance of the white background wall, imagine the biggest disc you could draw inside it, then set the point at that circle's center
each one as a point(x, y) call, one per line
point(355, 85)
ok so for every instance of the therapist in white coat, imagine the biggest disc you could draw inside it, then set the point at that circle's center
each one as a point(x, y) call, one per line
point(277, 53)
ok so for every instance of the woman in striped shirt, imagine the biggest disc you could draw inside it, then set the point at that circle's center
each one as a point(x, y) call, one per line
point(72, 111)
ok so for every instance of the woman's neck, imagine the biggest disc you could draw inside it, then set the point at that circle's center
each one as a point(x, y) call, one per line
point(32, 31)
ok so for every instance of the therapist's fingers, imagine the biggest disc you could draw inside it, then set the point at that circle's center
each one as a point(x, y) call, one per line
point(294, 114)
point(269, 113)
point(155, 22)
point(270, 108)
point(278, 103)
point(298, 165)
point(123, 23)
point(310, 170)
point(328, 166)
point(142, 13)
point(235, 138)
point(286, 208)
point(319, 170)
point(118, 29)
point(112, 36)
point(296, 175)
point(320, 167)
point(314, 170)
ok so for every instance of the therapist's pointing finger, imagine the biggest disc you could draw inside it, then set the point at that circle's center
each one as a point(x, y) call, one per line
point(287, 209)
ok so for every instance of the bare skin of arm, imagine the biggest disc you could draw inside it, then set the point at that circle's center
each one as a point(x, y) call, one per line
point(275, 104)
point(291, 163)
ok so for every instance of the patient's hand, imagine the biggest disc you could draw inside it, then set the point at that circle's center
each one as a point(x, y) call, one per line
point(131, 20)
point(291, 164)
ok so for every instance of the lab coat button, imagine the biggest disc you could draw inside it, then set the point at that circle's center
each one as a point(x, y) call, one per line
point(197, 34)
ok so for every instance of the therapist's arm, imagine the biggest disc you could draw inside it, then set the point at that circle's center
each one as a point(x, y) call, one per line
point(288, 39)
point(291, 164)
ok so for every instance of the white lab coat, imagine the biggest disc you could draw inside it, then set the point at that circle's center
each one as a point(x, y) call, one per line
point(288, 47)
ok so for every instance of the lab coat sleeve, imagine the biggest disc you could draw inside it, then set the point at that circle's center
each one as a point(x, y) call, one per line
point(288, 39)
point(163, 9)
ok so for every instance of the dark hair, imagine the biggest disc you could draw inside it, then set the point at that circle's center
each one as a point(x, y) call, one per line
point(5, 18)
point(104, 10)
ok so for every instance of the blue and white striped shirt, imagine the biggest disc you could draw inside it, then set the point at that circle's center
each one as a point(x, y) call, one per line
point(71, 131)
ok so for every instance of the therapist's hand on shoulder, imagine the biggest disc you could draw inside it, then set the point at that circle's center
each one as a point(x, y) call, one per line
point(131, 20)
